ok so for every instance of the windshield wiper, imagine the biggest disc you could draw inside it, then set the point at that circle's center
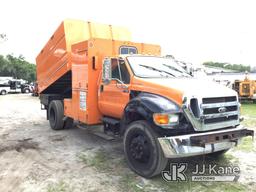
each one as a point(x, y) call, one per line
point(159, 70)
point(175, 69)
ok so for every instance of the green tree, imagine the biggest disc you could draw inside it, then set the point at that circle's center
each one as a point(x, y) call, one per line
point(235, 67)
point(17, 67)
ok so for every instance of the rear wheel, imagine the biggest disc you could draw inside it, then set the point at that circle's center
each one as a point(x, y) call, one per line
point(56, 115)
point(3, 92)
point(142, 150)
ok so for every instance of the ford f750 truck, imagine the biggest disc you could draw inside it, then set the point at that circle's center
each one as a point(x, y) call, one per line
point(93, 74)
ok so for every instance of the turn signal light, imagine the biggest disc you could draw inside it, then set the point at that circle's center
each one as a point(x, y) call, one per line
point(165, 119)
point(161, 119)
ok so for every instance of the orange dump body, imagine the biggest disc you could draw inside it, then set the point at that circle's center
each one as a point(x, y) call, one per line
point(71, 62)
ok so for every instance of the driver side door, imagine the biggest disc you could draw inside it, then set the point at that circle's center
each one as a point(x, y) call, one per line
point(114, 96)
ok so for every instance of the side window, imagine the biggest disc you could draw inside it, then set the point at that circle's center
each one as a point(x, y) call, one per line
point(18, 84)
point(115, 73)
point(115, 69)
point(128, 50)
point(119, 71)
point(124, 73)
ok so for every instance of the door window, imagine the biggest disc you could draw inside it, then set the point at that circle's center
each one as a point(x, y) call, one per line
point(119, 71)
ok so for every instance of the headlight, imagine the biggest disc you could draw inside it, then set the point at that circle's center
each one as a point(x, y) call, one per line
point(166, 119)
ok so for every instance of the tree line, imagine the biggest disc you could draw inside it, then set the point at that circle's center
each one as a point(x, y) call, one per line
point(17, 67)
point(235, 67)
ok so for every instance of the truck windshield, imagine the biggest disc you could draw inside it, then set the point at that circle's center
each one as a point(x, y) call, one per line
point(155, 67)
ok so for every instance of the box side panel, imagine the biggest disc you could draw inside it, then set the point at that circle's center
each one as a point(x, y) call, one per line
point(99, 48)
point(150, 49)
point(54, 59)
point(51, 59)
point(76, 31)
point(142, 48)
point(55, 38)
point(79, 92)
point(80, 81)
point(121, 34)
point(101, 31)
point(68, 107)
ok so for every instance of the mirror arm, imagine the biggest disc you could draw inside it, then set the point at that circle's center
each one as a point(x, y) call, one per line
point(124, 86)
point(118, 80)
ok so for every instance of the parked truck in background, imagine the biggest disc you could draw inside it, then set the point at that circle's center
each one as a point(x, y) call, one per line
point(246, 89)
point(11, 85)
point(4, 89)
point(19, 86)
point(94, 74)
point(4, 85)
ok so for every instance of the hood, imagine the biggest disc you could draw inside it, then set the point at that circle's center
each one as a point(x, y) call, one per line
point(190, 87)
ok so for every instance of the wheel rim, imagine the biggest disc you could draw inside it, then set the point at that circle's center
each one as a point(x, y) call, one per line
point(139, 148)
point(26, 91)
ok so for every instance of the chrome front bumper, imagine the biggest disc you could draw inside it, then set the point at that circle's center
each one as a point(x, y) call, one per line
point(202, 143)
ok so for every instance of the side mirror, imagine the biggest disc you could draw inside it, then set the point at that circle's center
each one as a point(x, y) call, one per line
point(107, 71)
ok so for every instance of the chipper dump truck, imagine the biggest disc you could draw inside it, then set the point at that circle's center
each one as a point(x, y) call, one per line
point(93, 74)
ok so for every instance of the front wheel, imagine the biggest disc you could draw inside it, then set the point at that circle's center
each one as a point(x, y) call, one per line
point(3, 92)
point(142, 150)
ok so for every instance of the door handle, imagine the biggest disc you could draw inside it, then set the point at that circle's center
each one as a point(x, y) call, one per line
point(126, 91)
point(101, 88)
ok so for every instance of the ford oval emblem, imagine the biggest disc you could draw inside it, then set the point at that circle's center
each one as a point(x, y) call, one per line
point(222, 109)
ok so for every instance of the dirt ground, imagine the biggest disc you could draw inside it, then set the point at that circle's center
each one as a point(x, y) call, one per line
point(35, 158)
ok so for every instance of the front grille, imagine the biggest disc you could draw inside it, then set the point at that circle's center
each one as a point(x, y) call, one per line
point(218, 100)
point(220, 119)
point(215, 112)
point(219, 109)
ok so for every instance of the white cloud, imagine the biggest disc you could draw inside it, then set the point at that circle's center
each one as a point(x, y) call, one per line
point(195, 31)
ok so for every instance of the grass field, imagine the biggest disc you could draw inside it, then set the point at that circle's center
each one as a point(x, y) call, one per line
point(248, 111)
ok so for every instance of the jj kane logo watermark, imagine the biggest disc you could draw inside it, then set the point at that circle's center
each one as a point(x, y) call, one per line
point(201, 172)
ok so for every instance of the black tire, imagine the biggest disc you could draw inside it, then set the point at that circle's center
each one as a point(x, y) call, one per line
point(68, 123)
point(3, 92)
point(142, 150)
point(26, 91)
point(56, 115)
